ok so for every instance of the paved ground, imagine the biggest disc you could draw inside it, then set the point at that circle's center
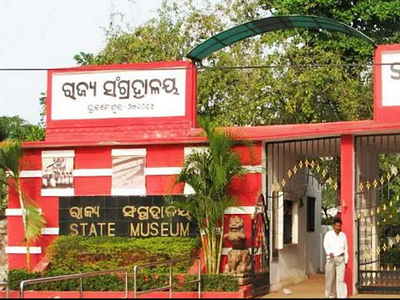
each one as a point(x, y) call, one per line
point(314, 288)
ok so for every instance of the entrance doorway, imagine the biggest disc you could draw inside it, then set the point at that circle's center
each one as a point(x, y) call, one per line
point(303, 180)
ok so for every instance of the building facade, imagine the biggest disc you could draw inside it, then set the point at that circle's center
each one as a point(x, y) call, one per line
point(117, 136)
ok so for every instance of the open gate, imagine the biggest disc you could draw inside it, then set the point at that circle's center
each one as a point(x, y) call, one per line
point(299, 173)
point(260, 249)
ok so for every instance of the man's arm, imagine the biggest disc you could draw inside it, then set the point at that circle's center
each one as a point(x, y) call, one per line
point(346, 251)
point(326, 244)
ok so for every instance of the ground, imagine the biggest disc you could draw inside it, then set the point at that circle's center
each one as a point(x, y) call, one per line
point(314, 288)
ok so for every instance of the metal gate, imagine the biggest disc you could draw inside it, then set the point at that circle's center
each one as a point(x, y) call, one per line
point(260, 249)
point(298, 172)
point(377, 212)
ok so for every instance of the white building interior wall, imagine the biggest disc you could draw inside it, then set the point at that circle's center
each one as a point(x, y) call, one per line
point(295, 261)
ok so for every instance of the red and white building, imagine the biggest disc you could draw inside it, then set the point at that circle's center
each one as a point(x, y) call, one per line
point(124, 130)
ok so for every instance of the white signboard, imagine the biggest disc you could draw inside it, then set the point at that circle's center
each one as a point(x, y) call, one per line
point(391, 78)
point(118, 94)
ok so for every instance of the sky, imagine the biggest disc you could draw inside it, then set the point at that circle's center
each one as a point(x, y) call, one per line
point(47, 34)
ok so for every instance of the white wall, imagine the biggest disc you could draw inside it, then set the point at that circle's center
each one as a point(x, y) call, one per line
point(297, 261)
point(313, 239)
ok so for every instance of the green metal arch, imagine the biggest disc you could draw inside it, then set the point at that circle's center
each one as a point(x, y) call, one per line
point(257, 27)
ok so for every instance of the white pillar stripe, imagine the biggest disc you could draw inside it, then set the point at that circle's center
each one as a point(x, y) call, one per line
point(22, 250)
point(12, 212)
point(108, 172)
point(240, 210)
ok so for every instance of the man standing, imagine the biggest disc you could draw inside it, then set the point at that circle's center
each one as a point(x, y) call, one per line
point(335, 245)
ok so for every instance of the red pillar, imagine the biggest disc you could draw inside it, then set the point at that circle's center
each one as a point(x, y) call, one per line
point(347, 199)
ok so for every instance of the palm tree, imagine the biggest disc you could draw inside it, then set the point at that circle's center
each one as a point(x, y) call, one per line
point(33, 220)
point(209, 172)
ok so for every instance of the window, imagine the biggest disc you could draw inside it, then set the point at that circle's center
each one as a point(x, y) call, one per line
point(290, 220)
point(310, 214)
point(287, 222)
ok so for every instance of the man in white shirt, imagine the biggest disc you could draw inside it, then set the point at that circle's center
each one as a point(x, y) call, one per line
point(335, 245)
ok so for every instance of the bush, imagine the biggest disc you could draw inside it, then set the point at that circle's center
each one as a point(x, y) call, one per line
point(146, 281)
point(71, 255)
point(210, 283)
point(16, 276)
point(219, 283)
point(97, 283)
point(86, 254)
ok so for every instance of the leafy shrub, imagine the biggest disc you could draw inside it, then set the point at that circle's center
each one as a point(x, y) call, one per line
point(145, 281)
point(71, 255)
point(219, 283)
point(16, 276)
point(86, 254)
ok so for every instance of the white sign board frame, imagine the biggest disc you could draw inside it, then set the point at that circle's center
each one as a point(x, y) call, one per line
point(118, 94)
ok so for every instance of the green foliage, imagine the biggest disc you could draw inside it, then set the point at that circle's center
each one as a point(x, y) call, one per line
point(10, 154)
point(329, 178)
point(18, 129)
point(84, 254)
point(210, 283)
point(389, 202)
point(378, 19)
point(16, 276)
point(305, 81)
point(112, 282)
point(33, 221)
point(329, 200)
point(73, 255)
point(115, 282)
point(209, 172)
point(219, 283)
point(42, 103)
point(3, 192)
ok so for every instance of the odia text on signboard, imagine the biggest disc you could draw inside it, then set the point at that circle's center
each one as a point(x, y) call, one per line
point(123, 216)
point(118, 94)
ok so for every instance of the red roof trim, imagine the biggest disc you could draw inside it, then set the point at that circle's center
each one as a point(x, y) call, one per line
point(255, 133)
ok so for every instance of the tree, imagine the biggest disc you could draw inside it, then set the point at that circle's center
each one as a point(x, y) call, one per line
point(3, 193)
point(209, 172)
point(322, 90)
point(33, 220)
point(305, 76)
point(17, 128)
point(378, 19)
point(329, 201)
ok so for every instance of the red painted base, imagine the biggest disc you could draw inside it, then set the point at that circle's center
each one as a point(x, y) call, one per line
point(244, 292)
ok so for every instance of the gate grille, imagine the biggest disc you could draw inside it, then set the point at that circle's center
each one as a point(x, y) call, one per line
point(260, 249)
point(377, 211)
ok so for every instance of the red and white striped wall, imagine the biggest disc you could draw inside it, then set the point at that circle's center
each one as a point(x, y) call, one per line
point(93, 176)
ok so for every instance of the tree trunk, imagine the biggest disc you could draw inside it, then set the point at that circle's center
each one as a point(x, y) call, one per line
point(215, 253)
point(25, 223)
point(205, 240)
point(212, 265)
point(221, 241)
point(28, 257)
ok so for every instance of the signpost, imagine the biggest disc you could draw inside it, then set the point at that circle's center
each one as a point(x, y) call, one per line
point(131, 216)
